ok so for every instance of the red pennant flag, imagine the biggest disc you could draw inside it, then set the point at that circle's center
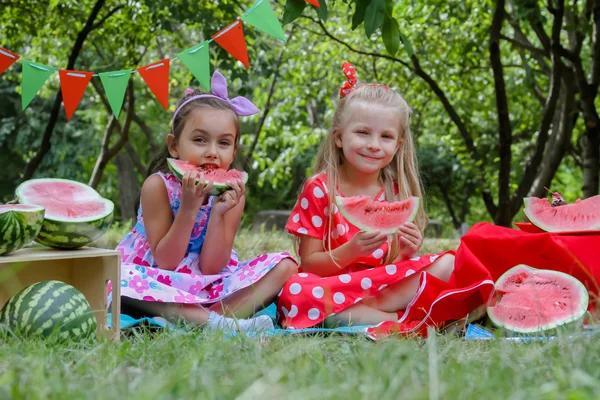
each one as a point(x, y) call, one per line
point(156, 76)
point(232, 39)
point(7, 58)
point(72, 86)
point(314, 3)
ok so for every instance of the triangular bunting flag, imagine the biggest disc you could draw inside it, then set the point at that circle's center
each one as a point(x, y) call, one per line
point(7, 58)
point(197, 60)
point(156, 76)
point(72, 86)
point(34, 77)
point(314, 3)
point(115, 85)
point(231, 38)
point(262, 16)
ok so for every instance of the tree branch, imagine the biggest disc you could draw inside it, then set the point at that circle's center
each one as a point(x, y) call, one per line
point(524, 45)
point(45, 146)
point(534, 162)
point(504, 126)
point(107, 16)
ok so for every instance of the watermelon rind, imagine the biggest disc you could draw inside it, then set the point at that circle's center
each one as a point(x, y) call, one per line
point(575, 318)
point(19, 225)
point(339, 202)
point(218, 187)
point(531, 216)
point(49, 309)
point(70, 233)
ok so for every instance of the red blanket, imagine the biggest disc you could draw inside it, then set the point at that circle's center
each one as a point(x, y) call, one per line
point(485, 253)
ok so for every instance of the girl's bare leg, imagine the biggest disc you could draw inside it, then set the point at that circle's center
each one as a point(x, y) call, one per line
point(191, 313)
point(244, 303)
point(359, 314)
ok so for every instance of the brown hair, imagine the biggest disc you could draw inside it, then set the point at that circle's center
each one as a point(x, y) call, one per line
point(159, 161)
point(402, 171)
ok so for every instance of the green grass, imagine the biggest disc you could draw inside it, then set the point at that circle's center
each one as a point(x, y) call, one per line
point(202, 365)
point(206, 366)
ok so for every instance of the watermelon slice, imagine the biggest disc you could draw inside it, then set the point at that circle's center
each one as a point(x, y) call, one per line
point(530, 300)
point(218, 176)
point(76, 214)
point(371, 215)
point(19, 225)
point(583, 215)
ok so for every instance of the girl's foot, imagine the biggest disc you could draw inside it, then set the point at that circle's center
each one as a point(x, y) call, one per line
point(218, 322)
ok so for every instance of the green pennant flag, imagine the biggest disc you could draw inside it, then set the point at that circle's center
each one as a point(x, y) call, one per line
point(262, 16)
point(197, 60)
point(34, 77)
point(115, 85)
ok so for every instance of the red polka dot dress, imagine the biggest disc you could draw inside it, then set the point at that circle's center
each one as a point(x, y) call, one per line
point(308, 299)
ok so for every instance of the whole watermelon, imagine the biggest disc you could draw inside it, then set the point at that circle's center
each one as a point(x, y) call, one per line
point(49, 308)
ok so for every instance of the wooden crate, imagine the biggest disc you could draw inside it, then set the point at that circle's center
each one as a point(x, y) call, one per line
point(88, 269)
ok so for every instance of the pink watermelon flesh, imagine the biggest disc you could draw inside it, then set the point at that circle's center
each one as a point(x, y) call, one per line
point(530, 300)
point(66, 200)
point(216, 175)
point(371, 215)
point(583, 215)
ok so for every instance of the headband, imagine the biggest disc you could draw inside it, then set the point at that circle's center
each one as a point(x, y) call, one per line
point(241, 105)
point(352, 82)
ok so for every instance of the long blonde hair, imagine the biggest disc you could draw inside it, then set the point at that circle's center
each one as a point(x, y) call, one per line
point(402, 170)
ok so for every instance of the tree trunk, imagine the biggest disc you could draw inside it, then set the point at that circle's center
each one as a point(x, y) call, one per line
point(558, 143)
point(129, 189)
point(34, 163)
point(590, 143)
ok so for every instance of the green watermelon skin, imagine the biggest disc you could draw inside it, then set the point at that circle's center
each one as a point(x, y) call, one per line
point(49, 309)
point(72, 235)
point(19, 225)
point(72, 231)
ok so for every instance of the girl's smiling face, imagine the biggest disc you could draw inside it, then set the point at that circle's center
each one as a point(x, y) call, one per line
point(208, 138)
point(370, 138)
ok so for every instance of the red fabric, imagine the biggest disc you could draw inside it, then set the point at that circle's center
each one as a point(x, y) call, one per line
point(232, 39)
point(308, 299)
point(72, 86)
point(498, 249)
point(7, 58)
point(156, 76)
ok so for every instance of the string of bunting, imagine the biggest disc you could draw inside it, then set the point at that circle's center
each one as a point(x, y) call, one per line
point(156, 75)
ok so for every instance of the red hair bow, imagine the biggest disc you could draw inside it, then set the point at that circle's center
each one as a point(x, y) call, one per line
point(350, 84)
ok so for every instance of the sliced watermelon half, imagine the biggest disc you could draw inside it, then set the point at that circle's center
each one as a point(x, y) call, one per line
point(371, 215)
point(530, 300)
point(582, 215)
point(218, 176)
point(19, 225)
point(76, 214)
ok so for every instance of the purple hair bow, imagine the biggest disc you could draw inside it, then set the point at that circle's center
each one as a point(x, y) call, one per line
point(241, 105)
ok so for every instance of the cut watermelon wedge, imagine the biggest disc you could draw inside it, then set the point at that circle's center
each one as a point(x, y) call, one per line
point(531, 228)
point(530, 300)
point(218, 176)
point(371, 215)
point(75, 216)
point(583, 215)
point(19, 225)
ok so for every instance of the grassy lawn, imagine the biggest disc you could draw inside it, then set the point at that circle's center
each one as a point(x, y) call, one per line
point(169, 365)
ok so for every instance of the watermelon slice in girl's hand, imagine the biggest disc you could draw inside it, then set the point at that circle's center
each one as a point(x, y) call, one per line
point(371, 215)
point(582, 216)
point(219, 177)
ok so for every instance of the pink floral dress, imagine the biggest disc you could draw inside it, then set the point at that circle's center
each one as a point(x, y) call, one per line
point(141, 278)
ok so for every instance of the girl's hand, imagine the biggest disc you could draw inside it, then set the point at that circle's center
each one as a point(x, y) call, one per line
point(365, 243)
point(192, 194)
point(230, 198)
point(410, 240)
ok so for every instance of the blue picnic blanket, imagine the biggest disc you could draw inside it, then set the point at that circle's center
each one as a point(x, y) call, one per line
point(128, 322)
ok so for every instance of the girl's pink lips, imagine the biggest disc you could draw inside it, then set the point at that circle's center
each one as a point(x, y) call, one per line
point(370, 158)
